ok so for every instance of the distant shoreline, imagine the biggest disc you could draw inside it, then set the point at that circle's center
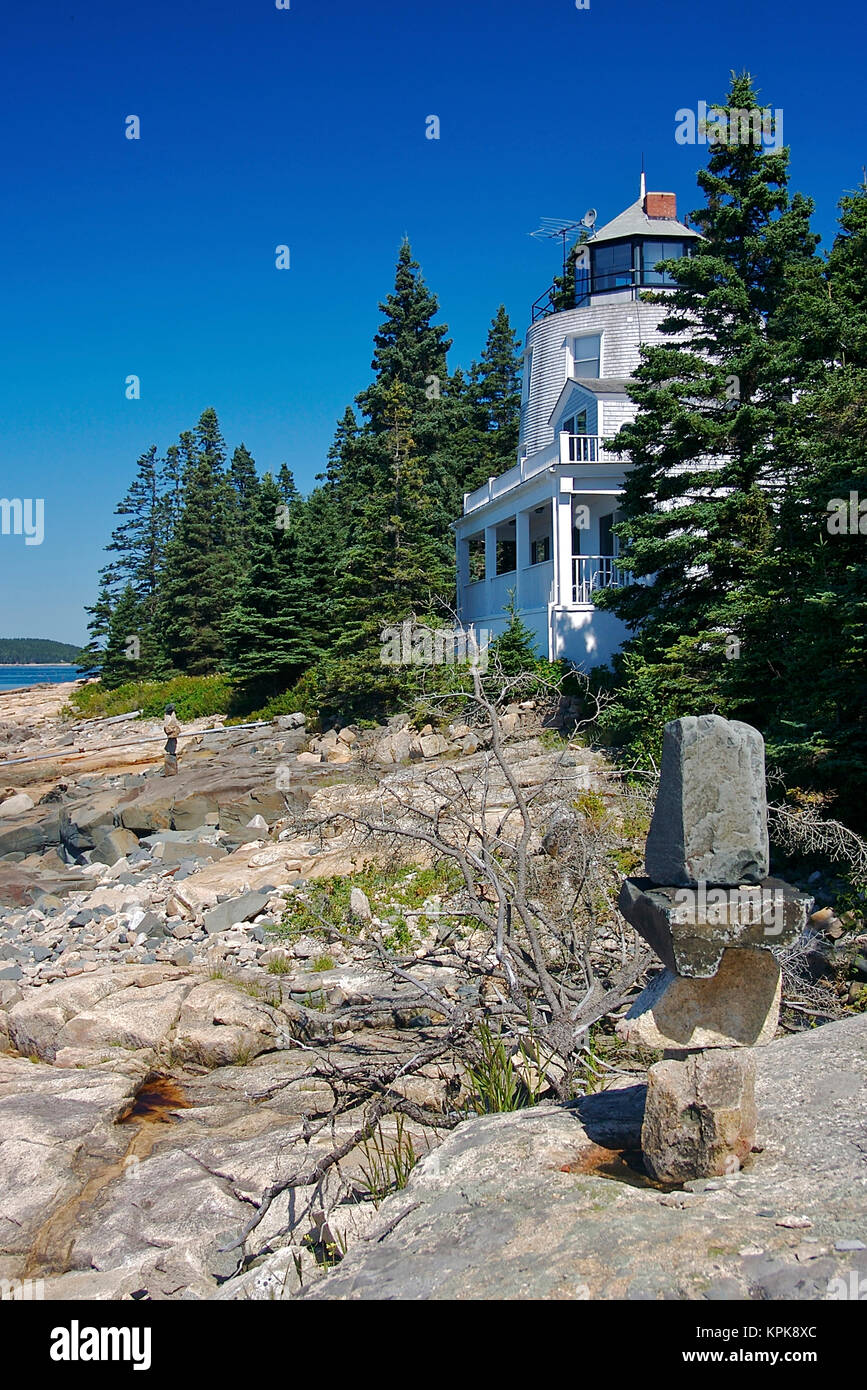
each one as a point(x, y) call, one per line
point(25, 665)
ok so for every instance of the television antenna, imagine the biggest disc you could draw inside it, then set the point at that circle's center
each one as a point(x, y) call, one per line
point(553, 227)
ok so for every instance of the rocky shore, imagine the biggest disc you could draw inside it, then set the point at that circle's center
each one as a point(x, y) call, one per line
point(179, 1034)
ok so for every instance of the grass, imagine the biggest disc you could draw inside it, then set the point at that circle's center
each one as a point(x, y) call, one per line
point(193, 697)
point(593, 806)
point(393, 893)
point(316, 1000)
point(280, 965)
point(497, 1084)
point(324, 962)
point(387, 1166)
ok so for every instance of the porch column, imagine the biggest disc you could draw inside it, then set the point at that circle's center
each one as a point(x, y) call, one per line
point(522, 552)
point(490, 552)
point(563, 544)
point(462, 571)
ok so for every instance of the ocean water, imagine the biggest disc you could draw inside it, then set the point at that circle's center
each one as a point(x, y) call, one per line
point(16, 677)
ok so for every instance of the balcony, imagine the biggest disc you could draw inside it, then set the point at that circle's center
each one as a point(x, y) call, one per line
point(592, 572)
point(586, 448)
point(574, 448)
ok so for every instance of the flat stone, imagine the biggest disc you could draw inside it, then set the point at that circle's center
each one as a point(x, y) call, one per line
point(710, 819)
point(240, 909)
point(700, 1115)
point(114, 845)
point(689, 928)
point(738, 1007)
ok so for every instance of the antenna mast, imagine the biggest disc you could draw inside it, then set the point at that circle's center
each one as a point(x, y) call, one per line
point(553, 227)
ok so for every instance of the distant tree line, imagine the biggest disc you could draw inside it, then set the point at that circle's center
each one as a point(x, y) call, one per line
point(36, 651)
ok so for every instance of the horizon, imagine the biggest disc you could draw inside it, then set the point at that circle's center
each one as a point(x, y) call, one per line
point(155, 257)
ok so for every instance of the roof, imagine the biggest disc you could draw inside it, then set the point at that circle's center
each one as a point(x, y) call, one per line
point(635, 222)
point(595, 386)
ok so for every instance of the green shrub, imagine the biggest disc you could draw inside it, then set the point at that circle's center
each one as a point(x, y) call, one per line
point(194, 697)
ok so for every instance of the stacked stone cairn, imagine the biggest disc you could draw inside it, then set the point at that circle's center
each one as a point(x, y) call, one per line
point(713, 916)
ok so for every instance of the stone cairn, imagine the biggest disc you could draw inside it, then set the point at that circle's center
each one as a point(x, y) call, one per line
point(713, 916)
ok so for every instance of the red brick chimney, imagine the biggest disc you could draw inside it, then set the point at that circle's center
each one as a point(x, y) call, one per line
point(661, 205)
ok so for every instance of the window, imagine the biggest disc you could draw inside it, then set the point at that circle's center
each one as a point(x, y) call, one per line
point(576, 424)
point(608, 542)
point(540, 550)
point(653, 251)
point(612, 266)
point(585, 355)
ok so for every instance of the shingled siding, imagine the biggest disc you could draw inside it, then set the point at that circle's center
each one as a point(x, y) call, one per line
point(622, 334)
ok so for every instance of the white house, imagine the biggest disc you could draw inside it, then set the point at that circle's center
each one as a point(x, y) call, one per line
point(543, 528)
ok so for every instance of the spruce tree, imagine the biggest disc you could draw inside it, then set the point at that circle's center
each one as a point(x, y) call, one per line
point(199, 569)
point(494, 402)
point(700, 501)
point(801, 674)
point(267, 630)
point(121, 660)
point(245, 484)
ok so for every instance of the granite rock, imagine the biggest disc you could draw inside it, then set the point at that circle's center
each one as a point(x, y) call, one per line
point(710, 819)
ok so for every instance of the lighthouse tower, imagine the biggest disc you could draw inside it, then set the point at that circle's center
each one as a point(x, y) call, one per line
point(543, 529)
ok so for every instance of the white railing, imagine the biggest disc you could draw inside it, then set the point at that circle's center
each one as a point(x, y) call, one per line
point(586, 448)
point(487, 598)
point(591, 572)
point(504, 482)
point(574, 448)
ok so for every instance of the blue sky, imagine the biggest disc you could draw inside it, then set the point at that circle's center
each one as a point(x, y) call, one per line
point(306, 127)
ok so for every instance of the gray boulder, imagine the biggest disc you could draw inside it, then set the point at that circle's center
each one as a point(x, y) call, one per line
point(710, 820)
point(228, 914)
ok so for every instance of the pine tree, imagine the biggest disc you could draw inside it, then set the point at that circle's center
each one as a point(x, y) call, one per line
point(121, 660)
point(199, 569)
point(393, 496)
point(408, 347)
point(494, 402)
point(245, 484)
point(267, 630)
point(801, 674)
point(700, 502)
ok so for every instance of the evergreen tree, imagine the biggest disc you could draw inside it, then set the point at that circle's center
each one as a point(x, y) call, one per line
point(494, 403)
point(393, 496)
point(408, 347)
point(801, 673)
point(121, 660)
point(700, 502)
point(245, 484)
point(268, 625)
point(199, 569)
